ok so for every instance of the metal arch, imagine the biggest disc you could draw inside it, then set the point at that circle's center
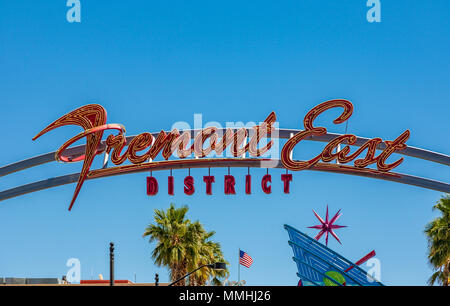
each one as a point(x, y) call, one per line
point(227, 162)
point(220, 163)
point(279, 133)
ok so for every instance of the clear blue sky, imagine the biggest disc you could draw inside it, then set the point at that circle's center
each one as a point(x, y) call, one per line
point(152, 63)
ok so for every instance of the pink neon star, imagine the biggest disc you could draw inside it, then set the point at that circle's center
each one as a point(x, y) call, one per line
point(327, 226)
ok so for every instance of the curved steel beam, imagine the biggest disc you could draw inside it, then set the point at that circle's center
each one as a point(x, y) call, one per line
point(220, 163)
point(280, 133)
point(307, 279)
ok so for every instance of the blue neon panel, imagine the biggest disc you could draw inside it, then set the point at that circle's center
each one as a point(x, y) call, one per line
point(313, 260)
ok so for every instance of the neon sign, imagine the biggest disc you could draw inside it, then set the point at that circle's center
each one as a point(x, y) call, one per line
point(229, 184)
point(144, 148)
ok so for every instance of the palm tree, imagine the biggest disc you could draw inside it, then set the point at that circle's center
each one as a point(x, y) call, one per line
point(171, 233)
point(208, 252)
point(438, 235)
point(183, 245)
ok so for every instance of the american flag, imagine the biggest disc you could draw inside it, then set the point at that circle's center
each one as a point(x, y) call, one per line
point(245, 259)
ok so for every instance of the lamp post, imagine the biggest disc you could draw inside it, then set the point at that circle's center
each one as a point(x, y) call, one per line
point(215, 266)
point(111, 264)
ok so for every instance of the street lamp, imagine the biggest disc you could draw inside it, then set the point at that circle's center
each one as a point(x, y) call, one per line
point(156, 279)
point(111, 264)
point(215, 266)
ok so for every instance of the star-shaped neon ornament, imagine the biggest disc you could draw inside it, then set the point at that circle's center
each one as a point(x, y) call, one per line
point(326, 227)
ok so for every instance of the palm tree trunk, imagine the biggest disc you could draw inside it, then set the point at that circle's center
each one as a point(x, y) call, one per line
point(179, 271)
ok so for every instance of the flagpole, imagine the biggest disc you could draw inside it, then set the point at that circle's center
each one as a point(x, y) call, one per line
point(239, 266)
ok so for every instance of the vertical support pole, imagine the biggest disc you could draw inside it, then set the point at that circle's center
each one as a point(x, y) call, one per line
point(153, 141)
point(338, 149)
point(243, 145)
point(105, 160)
point(291, 153)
